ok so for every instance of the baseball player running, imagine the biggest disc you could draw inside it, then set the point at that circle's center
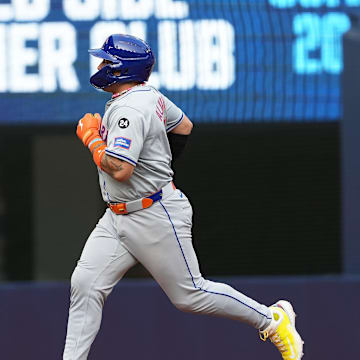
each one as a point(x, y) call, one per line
point(148, 220)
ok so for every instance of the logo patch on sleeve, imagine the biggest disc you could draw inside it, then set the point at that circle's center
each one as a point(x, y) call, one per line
point(123, 123)
point(122, 142)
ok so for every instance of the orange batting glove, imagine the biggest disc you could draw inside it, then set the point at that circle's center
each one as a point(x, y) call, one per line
point(88, 127)
point(88, 132)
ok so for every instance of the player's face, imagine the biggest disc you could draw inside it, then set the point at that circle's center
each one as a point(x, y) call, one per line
point(104, 63)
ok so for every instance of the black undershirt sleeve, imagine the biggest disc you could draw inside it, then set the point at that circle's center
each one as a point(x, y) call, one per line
point(177, 144)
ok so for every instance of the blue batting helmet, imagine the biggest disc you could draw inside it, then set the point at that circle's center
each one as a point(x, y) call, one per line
point(132, 60)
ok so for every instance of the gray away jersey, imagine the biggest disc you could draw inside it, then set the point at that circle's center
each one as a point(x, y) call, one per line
point(134, 128)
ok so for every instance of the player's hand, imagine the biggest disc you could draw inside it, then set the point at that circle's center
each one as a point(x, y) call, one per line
point(98, 116)
point(88, 127)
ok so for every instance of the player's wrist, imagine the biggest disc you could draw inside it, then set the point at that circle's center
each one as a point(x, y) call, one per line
point(98, 153)
point(94, 142)
point(89, 135)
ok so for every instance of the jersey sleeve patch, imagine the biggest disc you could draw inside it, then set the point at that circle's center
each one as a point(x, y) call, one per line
point(122, 142)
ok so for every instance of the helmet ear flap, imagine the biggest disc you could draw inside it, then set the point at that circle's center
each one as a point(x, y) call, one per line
point(116, 70)
point(106, 76)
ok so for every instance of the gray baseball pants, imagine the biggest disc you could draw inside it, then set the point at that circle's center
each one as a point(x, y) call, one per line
point(158, 237)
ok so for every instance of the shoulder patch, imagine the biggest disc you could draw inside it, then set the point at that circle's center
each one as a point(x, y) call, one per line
point(122, 142)
point(123, 123)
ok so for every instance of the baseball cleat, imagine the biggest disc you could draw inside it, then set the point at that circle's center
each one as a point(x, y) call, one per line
point(282, 332)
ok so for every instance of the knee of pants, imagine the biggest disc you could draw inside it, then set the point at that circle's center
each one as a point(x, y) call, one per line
point(188, 303)
point(80, 280)
point(83, 285)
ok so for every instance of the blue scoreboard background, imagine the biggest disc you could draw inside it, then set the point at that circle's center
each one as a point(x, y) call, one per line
point(228, 61)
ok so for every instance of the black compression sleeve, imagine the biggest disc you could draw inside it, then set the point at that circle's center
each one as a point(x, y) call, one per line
point(177, 144)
